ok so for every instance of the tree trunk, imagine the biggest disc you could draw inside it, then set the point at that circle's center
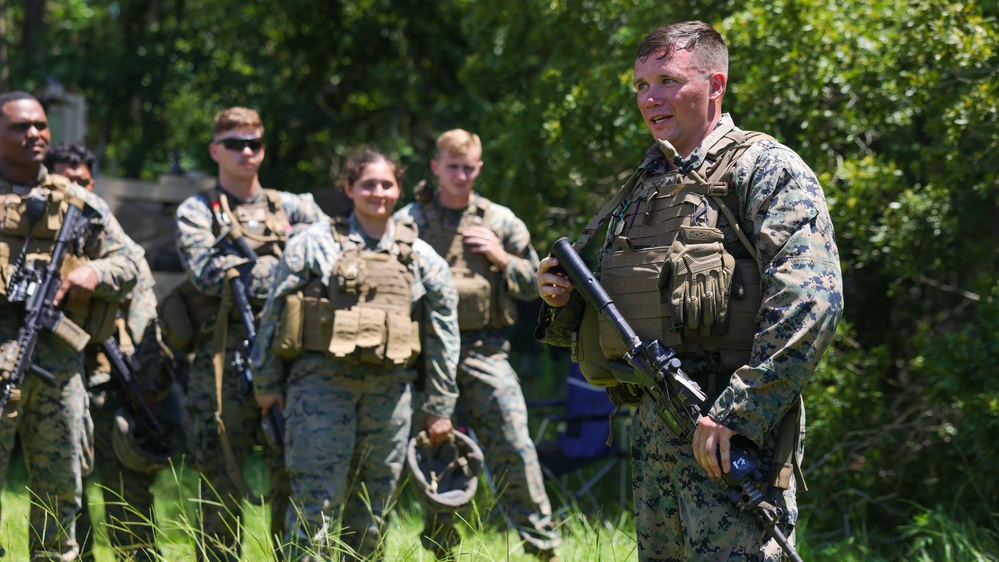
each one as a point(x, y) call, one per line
point(4, 67)
point(33, 30)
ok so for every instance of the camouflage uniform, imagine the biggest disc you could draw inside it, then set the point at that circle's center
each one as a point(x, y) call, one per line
point(348, 423)
point(491, 397)
point(681, 513)
point(128, 496)
point(221, 508)
point(53, 419)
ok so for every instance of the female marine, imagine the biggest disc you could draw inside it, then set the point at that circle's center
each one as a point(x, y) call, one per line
point(343, 320)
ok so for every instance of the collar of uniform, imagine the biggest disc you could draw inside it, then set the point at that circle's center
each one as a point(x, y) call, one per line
point(357, 235)
point(233, 200)
point(472, 199)
point(650, 162)
point(8, 186)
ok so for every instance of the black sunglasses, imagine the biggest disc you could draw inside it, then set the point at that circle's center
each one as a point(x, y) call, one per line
point(239, 144)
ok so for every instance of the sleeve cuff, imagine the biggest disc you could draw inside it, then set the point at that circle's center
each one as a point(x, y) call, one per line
point(440, 406)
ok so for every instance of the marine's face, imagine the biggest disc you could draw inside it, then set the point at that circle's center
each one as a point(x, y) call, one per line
point(79, 174)
point(238, 159)
point(676, 97)
point(24, 133)
point(456, 174)
point(375, 192)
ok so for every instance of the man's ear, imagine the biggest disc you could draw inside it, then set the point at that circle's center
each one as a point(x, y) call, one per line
point(212, 149)
point(718, 82)
point(433, 167)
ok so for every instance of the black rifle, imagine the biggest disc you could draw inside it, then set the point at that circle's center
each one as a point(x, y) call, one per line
point(679, 400)
point(273, 421)
point(37, 290)
point(120, 366)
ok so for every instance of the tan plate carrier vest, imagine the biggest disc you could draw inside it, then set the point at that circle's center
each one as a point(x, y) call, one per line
point(365, 313)
point(95, 316)
point(630, 273)
point(188, 315)
point(481, 302)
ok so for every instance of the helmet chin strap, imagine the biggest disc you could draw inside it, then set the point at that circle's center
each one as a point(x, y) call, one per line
point(446, 474)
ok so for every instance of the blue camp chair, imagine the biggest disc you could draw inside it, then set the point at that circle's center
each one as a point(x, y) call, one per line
point(583, 429)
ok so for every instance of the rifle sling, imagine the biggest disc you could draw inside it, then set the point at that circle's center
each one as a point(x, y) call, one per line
point(218, 363)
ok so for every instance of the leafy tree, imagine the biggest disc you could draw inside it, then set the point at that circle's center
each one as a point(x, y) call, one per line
point(894, 104)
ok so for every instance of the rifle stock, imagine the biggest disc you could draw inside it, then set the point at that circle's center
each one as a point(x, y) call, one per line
point(679, 400)
point(120, 366)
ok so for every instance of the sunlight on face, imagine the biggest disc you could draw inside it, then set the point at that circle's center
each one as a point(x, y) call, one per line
point(456, 174)
point(375, 192)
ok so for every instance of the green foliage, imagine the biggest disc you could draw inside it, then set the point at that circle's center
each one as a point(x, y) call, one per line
point(933, 536)
point(894, 104)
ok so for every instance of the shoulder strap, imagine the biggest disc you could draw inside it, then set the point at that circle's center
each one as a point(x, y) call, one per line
point(406, 234)
point(423, 192)
point(211, 196)
point(58, 187)
point(722, 157)
point(482, 206)
point(341, 229)
point(276, 205)
point(431, 210)
point(59, 183)
point(718, 165)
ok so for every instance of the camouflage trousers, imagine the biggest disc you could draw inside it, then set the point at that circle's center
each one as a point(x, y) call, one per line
point(682, 514)
point(52, 420)
point(128, 496)
point(493, 403)
point(347, 429)
point(221, 503)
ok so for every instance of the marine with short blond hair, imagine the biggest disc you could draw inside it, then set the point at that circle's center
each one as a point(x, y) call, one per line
point(493, 264)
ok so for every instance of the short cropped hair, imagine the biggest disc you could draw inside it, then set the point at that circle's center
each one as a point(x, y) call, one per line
point(698, 37)
point(235, 118)
point(458, 142)
point(72, 154)
point(16, 95)
point(361, 157)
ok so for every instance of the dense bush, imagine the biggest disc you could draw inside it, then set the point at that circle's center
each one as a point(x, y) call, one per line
point(894, 104)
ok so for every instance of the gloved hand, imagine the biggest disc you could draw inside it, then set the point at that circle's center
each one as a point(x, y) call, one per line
point(700, 279)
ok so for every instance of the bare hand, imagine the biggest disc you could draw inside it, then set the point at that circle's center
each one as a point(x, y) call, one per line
point(438, 429)
point(710, 438)
point(78, 286)
point(481, 240)
point(267, 401)
point(554, 288)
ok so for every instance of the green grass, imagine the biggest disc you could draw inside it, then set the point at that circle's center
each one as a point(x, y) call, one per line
point(932, 535)
point(486, 537)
